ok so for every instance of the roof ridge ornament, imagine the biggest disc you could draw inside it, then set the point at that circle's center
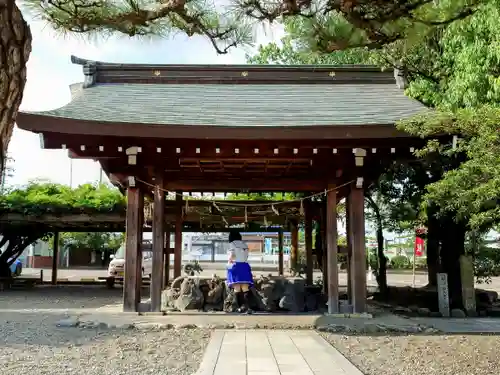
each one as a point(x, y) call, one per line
point(89, 70)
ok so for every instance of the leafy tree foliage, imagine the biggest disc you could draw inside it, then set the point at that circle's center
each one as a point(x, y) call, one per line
point(341, 24)
point(38, 198)
point(471, 192)
point(99, 241)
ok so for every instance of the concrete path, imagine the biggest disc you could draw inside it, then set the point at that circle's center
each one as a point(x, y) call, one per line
point(270, 352)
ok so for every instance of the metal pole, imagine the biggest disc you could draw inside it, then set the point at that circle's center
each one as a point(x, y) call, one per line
point(414, 261)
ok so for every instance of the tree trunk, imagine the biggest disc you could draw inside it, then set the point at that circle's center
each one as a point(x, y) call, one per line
point(382, 260)
point(432, 251)
point(15, 48)
point(452, 246)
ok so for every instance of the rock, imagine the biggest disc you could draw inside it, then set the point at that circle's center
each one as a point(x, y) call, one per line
point(68, 322)
point(494, 311)
point(372, 328)
point(289, 302)
point(333, 328)
point(230, 304)
point(457, 313)
point(431, 330)
point(413, 308)
point(472, 313)
point(215, 295)
point(402, 310)
point(190, 297)
point(345, 307)
point(400, 329)
point(176, 284)
point(423, 311)
point(168, 298)
point(488, 296)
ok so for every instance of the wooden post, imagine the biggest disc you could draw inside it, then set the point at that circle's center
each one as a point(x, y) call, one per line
point(358, 249)
point(348, 210)
point(55, 258)
point(178, 236)
point(324, 250)
point(294, 250)
point(308, 238)
point(166, 272)
point(158, 244)
point(280, 252)
point(133, 254)
point(332, 251)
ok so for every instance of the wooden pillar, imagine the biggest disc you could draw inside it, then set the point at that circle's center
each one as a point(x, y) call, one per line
point(166, 272)
point(294, 246)
point(348, 210)
point(280, 252)
point(358, 270)
point(308, 238)
point(133, 252)
point(324, 250)
point(55, 258)
point(332, 251)
point(178, 236)
point(158, 244)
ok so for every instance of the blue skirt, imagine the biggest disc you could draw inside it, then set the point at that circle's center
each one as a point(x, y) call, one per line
point(239, 273)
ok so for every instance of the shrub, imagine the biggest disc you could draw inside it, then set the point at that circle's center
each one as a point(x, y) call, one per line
point(400, 262)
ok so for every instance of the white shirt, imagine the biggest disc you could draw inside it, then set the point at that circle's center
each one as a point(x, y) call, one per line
point(238, 252)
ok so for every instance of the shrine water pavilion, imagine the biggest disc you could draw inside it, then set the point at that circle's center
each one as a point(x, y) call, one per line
point(160, 129)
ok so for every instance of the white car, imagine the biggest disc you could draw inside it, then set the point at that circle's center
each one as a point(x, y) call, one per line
point(116, 267)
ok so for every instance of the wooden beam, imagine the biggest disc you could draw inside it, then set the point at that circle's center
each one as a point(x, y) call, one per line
point(308, 243)
point(332, 251)
point(55, 258)
point(280, 252)
point(254, 184)
point(358, 250)
point(158, 244)
point(133, 254)
point(178, 236)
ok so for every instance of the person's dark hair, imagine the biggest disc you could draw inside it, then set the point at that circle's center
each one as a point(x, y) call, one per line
point(234, 236)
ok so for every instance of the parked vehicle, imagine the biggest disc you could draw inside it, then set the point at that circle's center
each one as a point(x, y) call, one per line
point(116, 267)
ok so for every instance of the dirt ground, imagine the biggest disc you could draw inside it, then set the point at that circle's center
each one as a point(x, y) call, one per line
point(421, 354)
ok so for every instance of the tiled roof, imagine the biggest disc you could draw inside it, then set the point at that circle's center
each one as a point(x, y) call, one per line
point(256, 104)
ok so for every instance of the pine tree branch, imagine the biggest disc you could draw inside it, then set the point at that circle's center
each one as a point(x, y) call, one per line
point(143, 18)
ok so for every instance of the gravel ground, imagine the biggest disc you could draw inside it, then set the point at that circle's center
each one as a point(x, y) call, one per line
point(420, 355)
point(63, 297)
point(31, 343)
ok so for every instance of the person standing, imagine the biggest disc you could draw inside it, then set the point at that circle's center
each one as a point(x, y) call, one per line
point(239, 272)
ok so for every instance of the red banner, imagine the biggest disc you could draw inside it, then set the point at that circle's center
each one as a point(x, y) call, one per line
point(419, 246)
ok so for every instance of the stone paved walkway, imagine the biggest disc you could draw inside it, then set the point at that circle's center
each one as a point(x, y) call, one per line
point(270, 352)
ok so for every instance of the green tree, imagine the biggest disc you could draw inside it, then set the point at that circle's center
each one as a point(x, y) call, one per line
point(101, 242)
point(329, 26)
point(38, 199)
point(448, 66)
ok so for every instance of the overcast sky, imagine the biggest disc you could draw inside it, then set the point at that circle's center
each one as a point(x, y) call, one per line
point(50, 73)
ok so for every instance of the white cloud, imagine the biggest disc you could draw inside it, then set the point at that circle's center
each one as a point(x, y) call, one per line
point(50, 73)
